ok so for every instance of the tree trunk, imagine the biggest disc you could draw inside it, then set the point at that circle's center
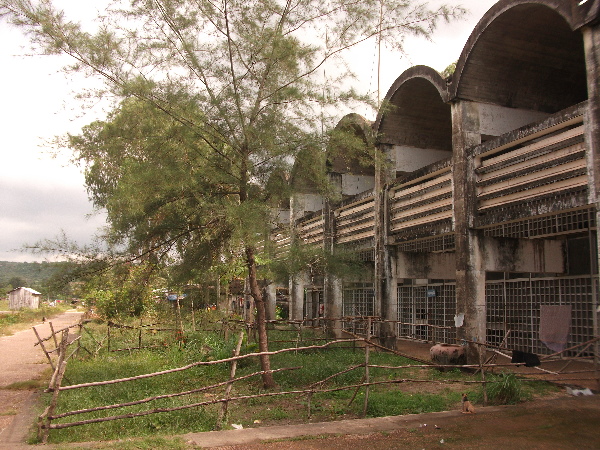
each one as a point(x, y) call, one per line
point(261, 320)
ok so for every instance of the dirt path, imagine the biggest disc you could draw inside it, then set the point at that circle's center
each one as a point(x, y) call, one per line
point(21, 361)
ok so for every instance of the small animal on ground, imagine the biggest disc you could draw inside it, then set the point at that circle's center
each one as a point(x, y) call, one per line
point(467, 406)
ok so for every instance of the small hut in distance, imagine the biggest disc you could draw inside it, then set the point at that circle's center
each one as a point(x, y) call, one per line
point(23, 297)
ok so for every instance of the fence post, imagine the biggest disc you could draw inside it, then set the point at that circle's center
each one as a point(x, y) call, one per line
point(108, 337)
point(53, 334)
point(41, 342)
point(225, 404)
point(54, 386)
point(483, 383)
point(140, 334)
point(367, 354)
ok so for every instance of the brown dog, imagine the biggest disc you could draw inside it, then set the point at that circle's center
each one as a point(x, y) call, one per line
point(467, 406)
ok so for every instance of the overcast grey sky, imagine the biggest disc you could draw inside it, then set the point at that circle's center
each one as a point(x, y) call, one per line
point(41, 196)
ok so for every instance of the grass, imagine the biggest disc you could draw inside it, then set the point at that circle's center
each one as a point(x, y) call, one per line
point(22, 319)
point(441, 393)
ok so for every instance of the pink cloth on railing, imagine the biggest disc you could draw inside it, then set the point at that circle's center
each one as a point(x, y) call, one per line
point(555, 323)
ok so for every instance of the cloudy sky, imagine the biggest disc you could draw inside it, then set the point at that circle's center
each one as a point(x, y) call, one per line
point(42, 195)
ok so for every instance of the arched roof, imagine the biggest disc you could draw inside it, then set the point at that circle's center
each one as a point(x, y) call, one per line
point(345, 147)
point(525, 54)
point(416, 112)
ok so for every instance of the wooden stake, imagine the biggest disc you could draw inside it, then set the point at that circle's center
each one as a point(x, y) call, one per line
point(367, 375)
point(44, 420)
point(44, 348)
point(223, 412)
point(53, 335)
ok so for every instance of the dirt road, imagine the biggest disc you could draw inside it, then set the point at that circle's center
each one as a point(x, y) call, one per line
point(21, 361)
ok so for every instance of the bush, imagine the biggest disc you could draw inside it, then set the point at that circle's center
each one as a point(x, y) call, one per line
point(506, 389)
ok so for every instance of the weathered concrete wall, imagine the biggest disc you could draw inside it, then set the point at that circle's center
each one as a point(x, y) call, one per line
point(495, 120)
point(591, 42)
point(409, 159)
point(270, 301)
point(355, 184)
point(523, 255)
point(297, 283)
point(303, 203)
point(333, 296)
point(426, 265)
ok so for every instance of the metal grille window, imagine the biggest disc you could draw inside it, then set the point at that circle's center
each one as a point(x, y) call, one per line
point(427, 312)
point(515, 305)
point(435, 244)
point(560, 223)
point(358, 301)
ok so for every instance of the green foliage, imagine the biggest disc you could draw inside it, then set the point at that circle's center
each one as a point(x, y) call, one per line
point(126, 291)
point(449, 71)
point(396, 402)
point(34, 275)
point(506, 389)
point(311, 366)
point(210, 103)
point(218, 114)
point(315, 260)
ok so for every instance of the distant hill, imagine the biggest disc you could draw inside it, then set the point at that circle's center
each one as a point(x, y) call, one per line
point(32, 274)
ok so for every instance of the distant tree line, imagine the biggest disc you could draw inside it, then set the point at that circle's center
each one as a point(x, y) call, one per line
point(36, 275)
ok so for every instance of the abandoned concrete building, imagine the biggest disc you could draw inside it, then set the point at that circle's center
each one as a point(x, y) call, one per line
point(485, 228)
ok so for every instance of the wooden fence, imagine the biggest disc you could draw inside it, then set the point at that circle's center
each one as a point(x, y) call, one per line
point(64, 343)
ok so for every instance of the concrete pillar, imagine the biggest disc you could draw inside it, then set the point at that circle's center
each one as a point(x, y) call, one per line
point(385, 281)
point(270, 301)
point(332, 285)
point(470, 273)
point(591, 42)
point(332, 297)
point(297, 284)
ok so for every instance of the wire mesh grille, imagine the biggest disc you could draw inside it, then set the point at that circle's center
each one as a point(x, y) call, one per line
point(561, 223)
point(515, 305)
point(358, 301)
point(426, 312)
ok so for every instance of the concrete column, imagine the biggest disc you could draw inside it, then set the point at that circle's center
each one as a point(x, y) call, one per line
point(332, 289)
point(470, 273)
point(332, 297)
point(270, 301)
point(297, 284)
point(385, 275)
point(591, 42)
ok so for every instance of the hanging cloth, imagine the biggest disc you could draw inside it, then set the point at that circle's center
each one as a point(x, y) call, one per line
point(555, 323)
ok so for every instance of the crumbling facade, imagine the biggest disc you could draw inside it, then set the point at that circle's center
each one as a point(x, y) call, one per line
point(485, 218)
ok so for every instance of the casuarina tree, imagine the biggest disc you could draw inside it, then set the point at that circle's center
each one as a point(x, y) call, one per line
point(226, 93)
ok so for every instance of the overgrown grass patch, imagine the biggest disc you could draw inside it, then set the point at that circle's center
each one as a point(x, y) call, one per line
point(324, 382)
point(25, 317)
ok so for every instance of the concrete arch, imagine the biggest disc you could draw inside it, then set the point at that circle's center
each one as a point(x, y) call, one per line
point(351, 131)
point(524, 54)
point(415, 123)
